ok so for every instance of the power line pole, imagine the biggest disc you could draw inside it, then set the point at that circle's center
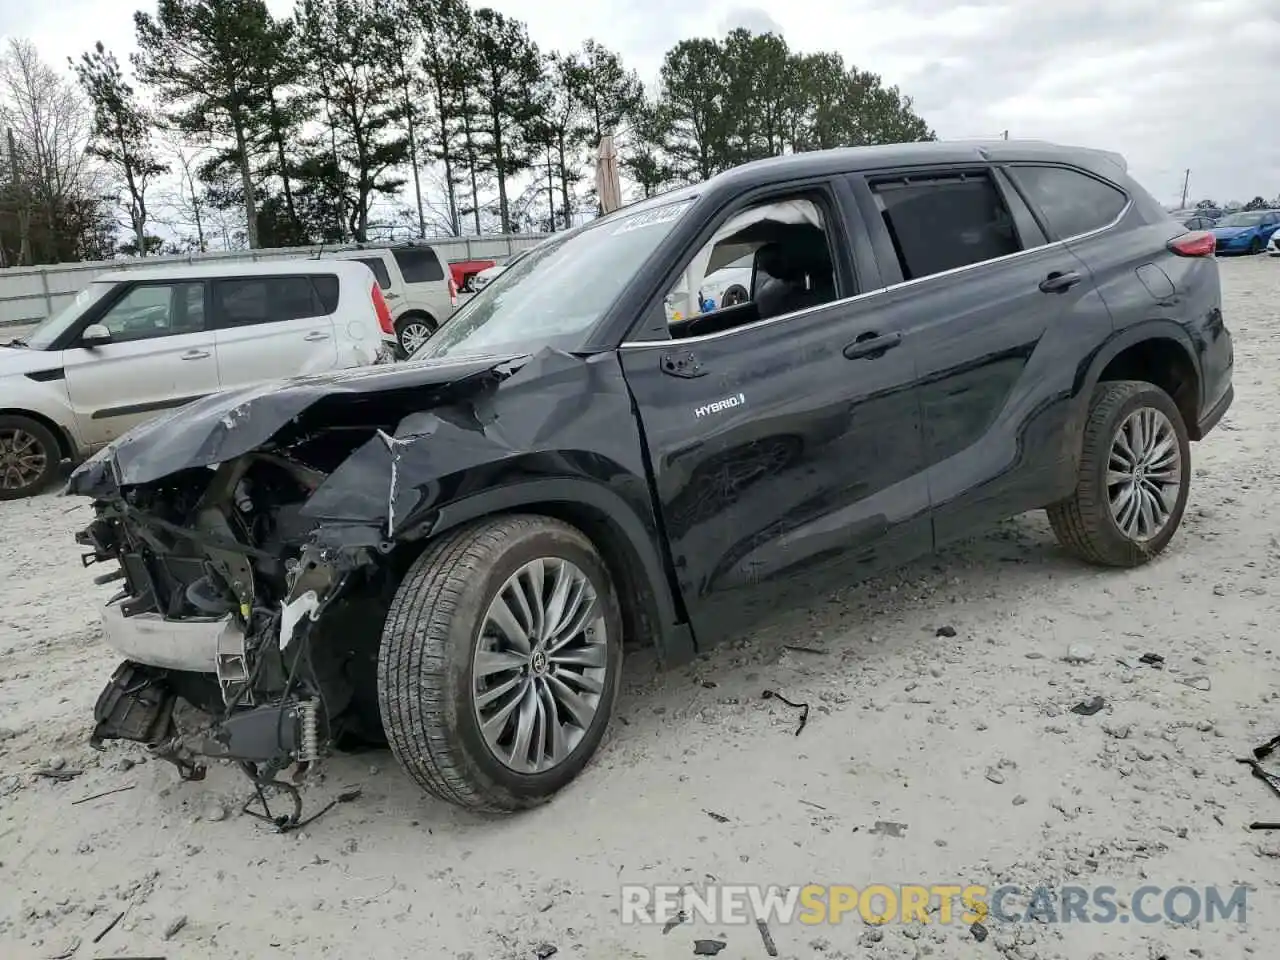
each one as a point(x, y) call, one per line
point(1186, 180)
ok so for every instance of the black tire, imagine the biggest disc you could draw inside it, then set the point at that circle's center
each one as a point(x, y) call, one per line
point(1255, 246)
point(734, 295)
point(1083, 522)
point(425, 664)
point(408, 323)
point(14, 427)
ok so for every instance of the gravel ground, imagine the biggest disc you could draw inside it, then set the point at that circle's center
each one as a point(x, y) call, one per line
point(967, 740)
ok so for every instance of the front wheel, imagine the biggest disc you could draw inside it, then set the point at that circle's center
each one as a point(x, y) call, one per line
point(1255, 246)
point(29, 457)
point(500, 662)
point(1134, 475)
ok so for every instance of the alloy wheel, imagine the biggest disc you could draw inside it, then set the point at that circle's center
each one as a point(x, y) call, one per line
point(414, 334)
point(23, 459)
point(540, 665)
point(1144, 474)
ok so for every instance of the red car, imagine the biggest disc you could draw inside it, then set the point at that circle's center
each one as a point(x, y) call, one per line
point(465, 270)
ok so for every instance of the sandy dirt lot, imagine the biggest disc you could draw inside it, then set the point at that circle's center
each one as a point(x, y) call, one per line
point(967, 740)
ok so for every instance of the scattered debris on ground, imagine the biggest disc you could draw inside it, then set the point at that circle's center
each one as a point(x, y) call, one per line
point(802, 707)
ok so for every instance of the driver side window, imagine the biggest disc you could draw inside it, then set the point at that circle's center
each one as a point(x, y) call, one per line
point(156, 310)
point(768, 260)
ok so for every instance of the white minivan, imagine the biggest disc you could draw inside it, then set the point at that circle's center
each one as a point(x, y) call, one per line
point(137, 342)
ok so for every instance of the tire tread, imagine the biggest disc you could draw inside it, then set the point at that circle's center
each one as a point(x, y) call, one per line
point(1079, 521)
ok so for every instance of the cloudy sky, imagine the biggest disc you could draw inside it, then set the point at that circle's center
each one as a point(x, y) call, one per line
point(1172, 84)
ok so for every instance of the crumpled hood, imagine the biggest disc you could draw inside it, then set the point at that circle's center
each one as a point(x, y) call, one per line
point(232, 423)
point(20, 360)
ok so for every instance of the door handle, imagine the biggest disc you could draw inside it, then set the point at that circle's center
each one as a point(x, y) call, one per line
point(195, 355)
point(1058, 282)
point(315, 335)
point(869, 346)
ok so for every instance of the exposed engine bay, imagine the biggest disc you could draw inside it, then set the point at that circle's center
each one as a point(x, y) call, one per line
point(248, 615)
point(224, 549)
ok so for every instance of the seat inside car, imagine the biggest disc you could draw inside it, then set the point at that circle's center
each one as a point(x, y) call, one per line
point(799, 275)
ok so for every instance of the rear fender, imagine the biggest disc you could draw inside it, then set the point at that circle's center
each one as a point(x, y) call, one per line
point(1090, 371)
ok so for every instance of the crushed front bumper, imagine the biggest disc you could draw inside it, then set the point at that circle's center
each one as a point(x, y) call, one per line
point(151, 640)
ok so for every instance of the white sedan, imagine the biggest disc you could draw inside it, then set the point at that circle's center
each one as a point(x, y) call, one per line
point(1273, 247)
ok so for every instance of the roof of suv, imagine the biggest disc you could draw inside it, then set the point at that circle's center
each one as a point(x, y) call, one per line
point(856, 159)
point(233, 268)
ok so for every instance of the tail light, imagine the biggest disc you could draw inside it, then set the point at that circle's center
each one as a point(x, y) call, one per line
point(453, 293)
point(383, 311)
point(1198, 243)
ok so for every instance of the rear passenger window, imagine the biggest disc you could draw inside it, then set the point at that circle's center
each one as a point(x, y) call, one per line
point(379, 270)
point(1071, 202)
point(326, 288)
point(242, 302)
point(419, 265)
point(941, 223)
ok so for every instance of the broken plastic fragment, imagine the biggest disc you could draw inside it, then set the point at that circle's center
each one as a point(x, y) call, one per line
point(292, 612)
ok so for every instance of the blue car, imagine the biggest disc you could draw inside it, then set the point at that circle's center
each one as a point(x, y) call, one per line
point(1246, 232)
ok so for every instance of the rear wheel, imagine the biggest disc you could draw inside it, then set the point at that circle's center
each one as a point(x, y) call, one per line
point(1135, 472)
point(413, 330)
point(500, 662)
point(29, 457)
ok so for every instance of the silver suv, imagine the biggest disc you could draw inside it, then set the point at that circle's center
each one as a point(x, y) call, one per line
point(417, 284)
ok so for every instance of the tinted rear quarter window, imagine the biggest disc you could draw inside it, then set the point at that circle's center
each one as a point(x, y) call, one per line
point(251, 300)
point(379, 270)
point(945, 222)
point(419, 265)
point(326, 287)
point(1070, 202)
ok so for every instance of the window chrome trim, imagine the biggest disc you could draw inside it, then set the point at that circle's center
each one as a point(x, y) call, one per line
point(879, 291)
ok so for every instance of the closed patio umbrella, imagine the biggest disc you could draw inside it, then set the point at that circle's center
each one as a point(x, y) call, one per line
point(608, 186)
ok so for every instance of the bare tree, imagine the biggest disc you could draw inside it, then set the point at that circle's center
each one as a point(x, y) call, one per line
point(121, 136)
point(50, 121)
point(184, 207)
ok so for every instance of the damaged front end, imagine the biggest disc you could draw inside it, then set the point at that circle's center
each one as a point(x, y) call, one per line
point(222, 593)
point(254, 537)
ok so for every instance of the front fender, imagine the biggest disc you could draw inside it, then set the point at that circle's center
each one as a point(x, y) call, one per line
point(633, 538)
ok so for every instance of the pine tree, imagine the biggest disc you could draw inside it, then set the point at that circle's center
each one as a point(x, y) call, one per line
point(121, 134)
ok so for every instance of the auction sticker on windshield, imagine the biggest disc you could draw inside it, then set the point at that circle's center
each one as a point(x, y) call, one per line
point(650, 218)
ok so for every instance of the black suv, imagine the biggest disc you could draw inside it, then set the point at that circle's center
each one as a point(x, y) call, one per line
point(452, 550)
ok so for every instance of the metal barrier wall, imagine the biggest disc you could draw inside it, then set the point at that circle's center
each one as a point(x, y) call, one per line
point(29, 294)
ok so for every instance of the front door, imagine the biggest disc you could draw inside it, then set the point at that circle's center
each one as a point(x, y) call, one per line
point(785, 450)
point(161, 355)
point(271, 328)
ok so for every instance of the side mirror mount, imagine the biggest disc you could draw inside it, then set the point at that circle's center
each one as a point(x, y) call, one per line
point(95, 335)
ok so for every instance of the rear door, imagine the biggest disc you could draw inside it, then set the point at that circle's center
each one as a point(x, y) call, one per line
point(785, 443)
point(161, 356)
point(1000, 319)
point(271, 327)
point(426, 284)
